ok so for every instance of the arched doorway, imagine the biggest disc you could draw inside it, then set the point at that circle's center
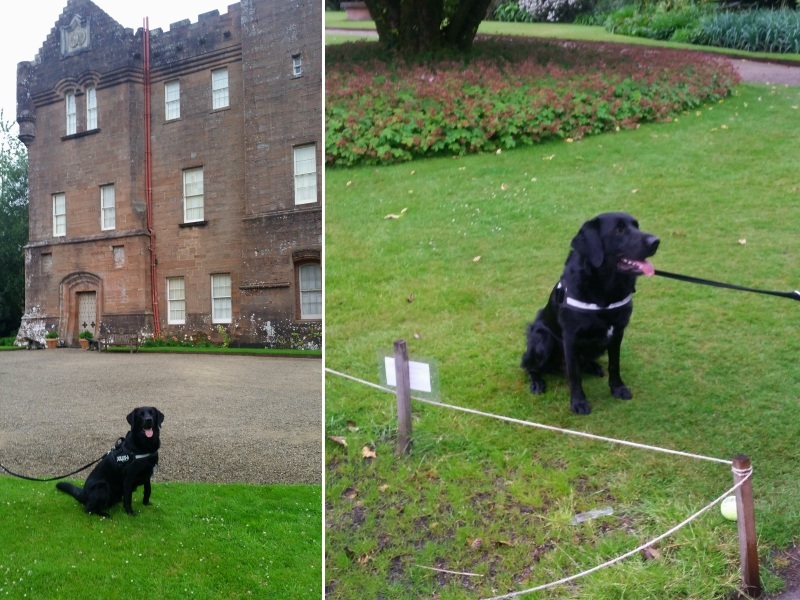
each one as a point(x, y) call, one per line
point(81, 304)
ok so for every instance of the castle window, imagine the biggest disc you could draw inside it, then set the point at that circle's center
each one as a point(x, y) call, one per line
point(221, 298)
point(193, 209)
point(72, 115)
point(310, 277)
point(59, 215)
point(297, 65)
point(47, 263)
point(172, 100)
point(108, 210)
point(91, 108)
point(219, 88)
point(305, 174)
point(176, 300)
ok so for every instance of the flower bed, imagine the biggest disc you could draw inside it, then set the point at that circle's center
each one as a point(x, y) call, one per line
point(511, 91)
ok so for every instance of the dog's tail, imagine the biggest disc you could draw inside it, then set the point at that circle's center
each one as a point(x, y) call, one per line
point(72, 490)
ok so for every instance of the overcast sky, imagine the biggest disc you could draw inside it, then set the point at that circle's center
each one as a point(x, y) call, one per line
point(28, 23)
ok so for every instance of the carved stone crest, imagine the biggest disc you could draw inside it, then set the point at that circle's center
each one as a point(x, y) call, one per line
point(75, 37)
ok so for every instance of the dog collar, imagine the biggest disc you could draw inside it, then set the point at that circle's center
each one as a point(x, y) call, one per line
point(589, 306)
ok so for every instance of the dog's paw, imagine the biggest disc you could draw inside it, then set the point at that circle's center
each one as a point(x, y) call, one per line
point(621, 392)
point(146, 502)
point(538, 386)
point(580, 407)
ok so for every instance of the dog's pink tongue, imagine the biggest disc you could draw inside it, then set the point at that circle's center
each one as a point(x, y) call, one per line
point(645, 267)
point(148, 432)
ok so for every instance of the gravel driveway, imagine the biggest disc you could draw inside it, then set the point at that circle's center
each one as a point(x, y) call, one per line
point(245, 419)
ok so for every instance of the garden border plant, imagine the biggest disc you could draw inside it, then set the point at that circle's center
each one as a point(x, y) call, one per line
point(509, 92)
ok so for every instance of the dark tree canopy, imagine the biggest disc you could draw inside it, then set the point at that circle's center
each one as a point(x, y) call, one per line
point(420, 26)
point(13, 228)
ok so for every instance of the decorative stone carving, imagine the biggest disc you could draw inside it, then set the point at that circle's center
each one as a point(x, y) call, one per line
point(75, 37)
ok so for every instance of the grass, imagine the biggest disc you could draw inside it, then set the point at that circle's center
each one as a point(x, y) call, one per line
point(459, 275)
point(564, 31)
point(194, 541)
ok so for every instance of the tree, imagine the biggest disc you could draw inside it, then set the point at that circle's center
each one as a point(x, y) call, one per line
point(419, 26)
point(13, 228)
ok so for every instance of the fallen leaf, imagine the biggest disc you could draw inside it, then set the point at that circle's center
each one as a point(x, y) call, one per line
point(651, 554)
point(413, 172)
point(533, 179)
point(499, 152)
point(383, 488)
point(366, 558)
point(504, 543)
point(392, 216)
point(367, 452)
point(569, 140)
point(551, 157)
point(349, 183)
point(634, 191)
point(338, 440)
point(352, 426)
point(504, 186)
point(350, 493)
point(742, 241)
point(475, 544)
point(402, 212)
point(410, 298)
point(417, 336)
point(476, 259)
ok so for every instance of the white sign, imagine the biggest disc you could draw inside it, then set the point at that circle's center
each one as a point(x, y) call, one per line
point(419, 375)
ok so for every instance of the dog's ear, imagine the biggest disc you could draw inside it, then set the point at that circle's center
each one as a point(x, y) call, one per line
point(130, 417)
point(588, 243)
point(160, 417)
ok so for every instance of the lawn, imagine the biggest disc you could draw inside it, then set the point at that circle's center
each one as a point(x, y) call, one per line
point(479, 242)
point(194, 541)
point(563, 31)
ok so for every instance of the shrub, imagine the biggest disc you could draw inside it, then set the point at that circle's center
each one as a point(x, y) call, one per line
point(51, 335)
point(7, 341)
point(659, 23)
point(776, 31)
point(511, 12)
point(555, 11)
point(508, 92)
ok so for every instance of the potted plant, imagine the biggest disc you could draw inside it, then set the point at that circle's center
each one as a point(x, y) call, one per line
point(84, 337)
point(51, 339)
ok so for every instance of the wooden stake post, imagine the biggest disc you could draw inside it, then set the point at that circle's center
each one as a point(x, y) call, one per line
point(403, 391)
point(746, 522)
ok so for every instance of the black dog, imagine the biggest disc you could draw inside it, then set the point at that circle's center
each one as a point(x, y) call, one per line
point(590, 306)
point(130, 464)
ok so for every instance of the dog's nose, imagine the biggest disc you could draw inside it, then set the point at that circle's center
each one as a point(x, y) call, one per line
point(652, 243)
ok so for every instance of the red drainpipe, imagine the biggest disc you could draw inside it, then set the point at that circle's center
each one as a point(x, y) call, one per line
point(148, 178)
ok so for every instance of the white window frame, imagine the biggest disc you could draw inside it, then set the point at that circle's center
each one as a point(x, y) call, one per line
point(172, 100)
point(59, 215)
point(221, 303)
point(297, 65)
point(176, 301)
point(305, 174)
point(71, 114)
point(91, 108)
point(108, 207)
point(310, 291)
point(220, 97)
point(193, 195)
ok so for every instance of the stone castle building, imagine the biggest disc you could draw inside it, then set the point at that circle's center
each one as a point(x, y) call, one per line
point(175, 176)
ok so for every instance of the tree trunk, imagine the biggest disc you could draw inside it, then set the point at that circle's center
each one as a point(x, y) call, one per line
point(421, 26)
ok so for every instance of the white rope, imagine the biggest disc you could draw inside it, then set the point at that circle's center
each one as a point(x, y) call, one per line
point(539, 425)
point(652, 542)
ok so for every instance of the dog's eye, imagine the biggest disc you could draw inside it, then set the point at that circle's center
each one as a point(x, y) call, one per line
point(620, 229)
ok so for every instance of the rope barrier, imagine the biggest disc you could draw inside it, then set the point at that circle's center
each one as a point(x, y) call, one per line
point(744, 474)
point(590, 436)
point(622, 557)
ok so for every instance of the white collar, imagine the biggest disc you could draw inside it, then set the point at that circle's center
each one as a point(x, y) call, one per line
point(588, 306)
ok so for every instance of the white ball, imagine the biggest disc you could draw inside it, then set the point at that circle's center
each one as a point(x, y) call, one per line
point(728, 508)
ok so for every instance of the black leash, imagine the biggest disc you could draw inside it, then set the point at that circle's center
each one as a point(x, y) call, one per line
point(795, 295)
point(51, 478)
point(117, 444)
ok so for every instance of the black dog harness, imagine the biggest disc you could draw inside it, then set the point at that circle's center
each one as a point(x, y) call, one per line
point(123, 457)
